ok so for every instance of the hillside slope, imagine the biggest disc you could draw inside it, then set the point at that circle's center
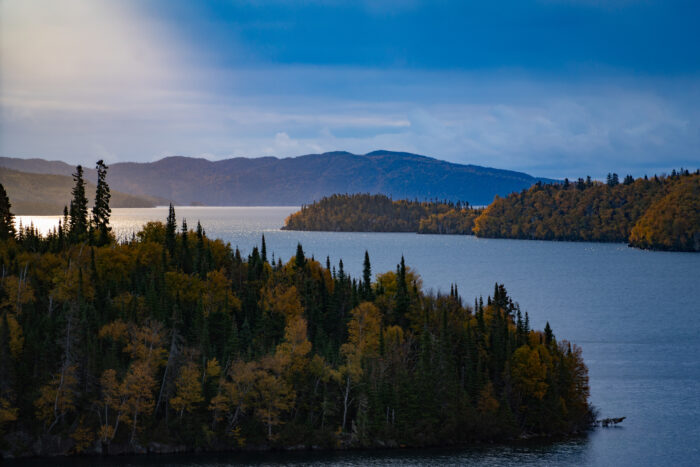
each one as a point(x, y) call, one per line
point(45, 194)
point(661, 213)
point(300, 180)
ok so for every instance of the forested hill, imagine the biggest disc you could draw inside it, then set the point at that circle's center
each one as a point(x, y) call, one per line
point(655, 213)
point(133, 346)
point(379, 213)
point(299, 180)
point(46, 194)
point(658, 213)
point(173, 341)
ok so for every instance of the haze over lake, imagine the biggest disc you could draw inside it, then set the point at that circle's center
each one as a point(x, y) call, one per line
point(633, 312)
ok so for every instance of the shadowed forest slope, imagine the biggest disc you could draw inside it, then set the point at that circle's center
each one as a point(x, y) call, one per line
point(298, 180)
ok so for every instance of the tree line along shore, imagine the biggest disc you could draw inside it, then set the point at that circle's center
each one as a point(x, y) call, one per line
point(658, 213)
point(174, 341)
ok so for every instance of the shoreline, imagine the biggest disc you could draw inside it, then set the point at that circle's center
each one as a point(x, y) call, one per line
point(159, 450)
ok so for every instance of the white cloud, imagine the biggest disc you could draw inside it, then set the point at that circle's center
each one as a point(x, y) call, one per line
point(83, 80)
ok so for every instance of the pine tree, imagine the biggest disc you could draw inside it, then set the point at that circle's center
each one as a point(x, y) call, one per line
point(78, 209)
point(101, 210)
point(202, 264)
point(402, 299)
point(548, 335)
point(170, 231)
point(186, 261)
point(7, 219)
point(300, 260)
point(263, 250)
point(367, 278)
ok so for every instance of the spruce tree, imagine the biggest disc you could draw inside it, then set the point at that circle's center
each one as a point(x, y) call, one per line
point(263, 250)
point(201, 266)
point(7, 219)
point(186, 261)
point(170, 231)
point(300, 260)
point(402, 299)
point(548, 334)
point(101, 210)
point(78, 209)
point(367, 278)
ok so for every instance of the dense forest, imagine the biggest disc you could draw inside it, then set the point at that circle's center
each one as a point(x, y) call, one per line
point(661, 212)
point(171, 340)
point(379, 213)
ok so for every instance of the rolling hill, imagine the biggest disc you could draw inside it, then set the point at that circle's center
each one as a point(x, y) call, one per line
point(299, 180)
point(47, 194)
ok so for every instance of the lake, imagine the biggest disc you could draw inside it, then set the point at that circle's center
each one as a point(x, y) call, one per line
point(636, 314)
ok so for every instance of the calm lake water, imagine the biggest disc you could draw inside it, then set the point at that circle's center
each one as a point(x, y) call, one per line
point(636, 314)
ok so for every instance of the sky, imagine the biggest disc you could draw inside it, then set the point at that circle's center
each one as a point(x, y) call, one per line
point(554, 88)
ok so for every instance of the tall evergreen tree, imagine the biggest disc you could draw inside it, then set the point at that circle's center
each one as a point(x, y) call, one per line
point(101, 210)
point(548, 334)
point(186, 259)
point(300, 260)
point(367, 277)
point(78, 209)
point(170, 231)
point(7, 219)
point(263, 250)
point(402, 299)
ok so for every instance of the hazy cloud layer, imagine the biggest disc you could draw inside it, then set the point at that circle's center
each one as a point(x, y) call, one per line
point(87, 80)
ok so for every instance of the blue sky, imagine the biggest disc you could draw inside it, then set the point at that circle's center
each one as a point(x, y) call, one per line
point(551, 87)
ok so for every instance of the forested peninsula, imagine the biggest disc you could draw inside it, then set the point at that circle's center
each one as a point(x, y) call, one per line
point(378, 213)
point(173, 341)
point(661, 213)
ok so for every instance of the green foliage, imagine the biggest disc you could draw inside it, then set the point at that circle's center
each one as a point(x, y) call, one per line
point(378, 213)
point(673, 221)
point(7, 219)
point(176, 338)
point(220, 351)
point(658, 213)
point(101, 210)
point(661, 213)
point(78, 229)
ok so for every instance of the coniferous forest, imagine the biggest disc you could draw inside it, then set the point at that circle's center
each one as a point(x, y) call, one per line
point(363, 212)
point(661, 212)
point(171, 340)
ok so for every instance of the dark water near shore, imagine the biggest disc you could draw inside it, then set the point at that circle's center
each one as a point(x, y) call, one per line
point(636, 314)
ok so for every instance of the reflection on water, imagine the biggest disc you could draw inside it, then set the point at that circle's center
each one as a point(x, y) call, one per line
point(573, 452)
point(634, 313)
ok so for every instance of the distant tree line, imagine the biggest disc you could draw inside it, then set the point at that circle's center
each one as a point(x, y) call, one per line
point(171, 338)
point(363, 212)
point(661, 212)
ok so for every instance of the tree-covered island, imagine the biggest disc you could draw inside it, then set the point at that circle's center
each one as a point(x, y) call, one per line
point(660, 213)
point(172, 340)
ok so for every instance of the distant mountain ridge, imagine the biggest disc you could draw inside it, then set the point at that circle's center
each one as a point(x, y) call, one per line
point(298, 180)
